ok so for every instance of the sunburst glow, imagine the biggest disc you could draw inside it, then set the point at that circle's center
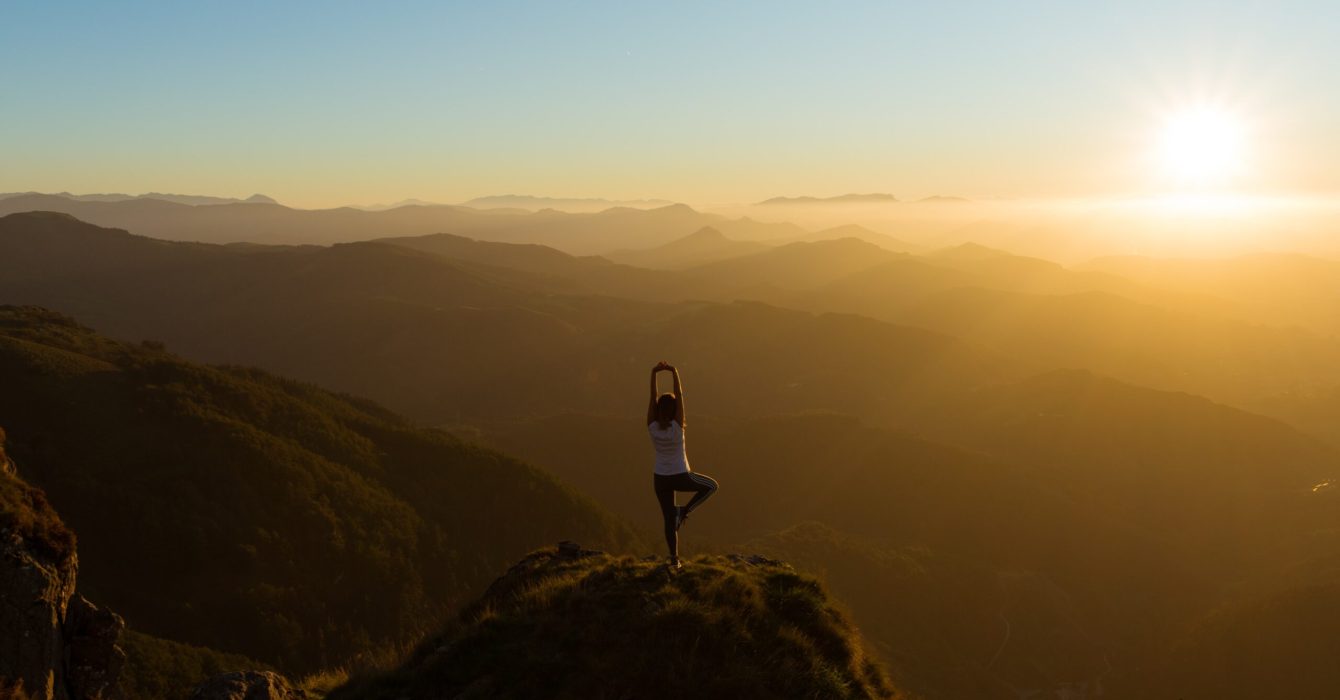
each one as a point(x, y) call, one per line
point(1203, 147)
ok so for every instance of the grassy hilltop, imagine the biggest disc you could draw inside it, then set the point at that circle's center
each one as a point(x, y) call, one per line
point(584, 624)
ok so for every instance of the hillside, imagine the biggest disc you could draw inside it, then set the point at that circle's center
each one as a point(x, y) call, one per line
point(882, 240)
point(797, 265)
point(228, 508)
point(559, 272)
point(571, 623)
point(441, 338)
point(1282, 642)
point(1118, 515)
point(948, 626)
point(1263, 287)
point(1206, 354)
point(700, 247)
point(58, 644)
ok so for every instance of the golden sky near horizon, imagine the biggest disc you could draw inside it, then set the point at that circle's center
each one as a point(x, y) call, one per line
point(321, 105)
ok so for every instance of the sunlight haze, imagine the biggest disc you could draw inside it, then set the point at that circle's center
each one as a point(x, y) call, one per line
point(754, 350)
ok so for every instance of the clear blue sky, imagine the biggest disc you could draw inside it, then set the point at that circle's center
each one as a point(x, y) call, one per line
point(323, 103)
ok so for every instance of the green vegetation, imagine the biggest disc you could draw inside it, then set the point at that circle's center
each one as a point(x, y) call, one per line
point(227, 508)
point(600, 626)
point(159, 668)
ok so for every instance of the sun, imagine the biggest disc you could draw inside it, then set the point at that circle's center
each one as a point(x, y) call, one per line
point(1203, 147)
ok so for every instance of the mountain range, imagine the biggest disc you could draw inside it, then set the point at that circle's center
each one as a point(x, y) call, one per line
point(580, 233)
point(569, 204)
point(876, 198)
point(187, 199)
point(1021, 477)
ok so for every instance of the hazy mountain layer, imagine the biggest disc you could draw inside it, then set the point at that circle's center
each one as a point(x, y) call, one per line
point(442, 338)
point(570, 204)
point(839, 199)
point(580, 233)
point(318, 313)
point(702, 246)
point(189, 199)
point(1029, 308)
point(1267, 288)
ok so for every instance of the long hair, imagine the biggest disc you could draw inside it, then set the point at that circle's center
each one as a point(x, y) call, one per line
point(667, 405)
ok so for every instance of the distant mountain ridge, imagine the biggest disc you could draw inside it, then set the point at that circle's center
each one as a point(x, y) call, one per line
point(875, 197)
point(882, 240)
point(396, 205)
point(705, 245)
point(256, 222)
point(187, 199)
point(568, 204)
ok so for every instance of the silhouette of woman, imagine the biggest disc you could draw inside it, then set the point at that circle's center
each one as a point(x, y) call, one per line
point(665, 422)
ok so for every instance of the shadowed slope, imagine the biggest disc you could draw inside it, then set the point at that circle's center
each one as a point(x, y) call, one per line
point(226, 507)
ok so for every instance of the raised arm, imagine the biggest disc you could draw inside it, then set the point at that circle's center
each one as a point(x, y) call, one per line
point(679, 394)
point(651, 403)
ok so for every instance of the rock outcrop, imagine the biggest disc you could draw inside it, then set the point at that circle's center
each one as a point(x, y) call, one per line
point(54, 644)
point(248, 685)
point(92, 658)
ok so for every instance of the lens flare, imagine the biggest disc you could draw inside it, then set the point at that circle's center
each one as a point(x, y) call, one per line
point(1203, 147)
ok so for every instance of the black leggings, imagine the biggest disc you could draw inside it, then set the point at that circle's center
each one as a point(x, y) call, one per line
point(702, 487)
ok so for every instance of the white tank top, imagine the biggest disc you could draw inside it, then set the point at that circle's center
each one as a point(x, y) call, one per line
point(669, 443)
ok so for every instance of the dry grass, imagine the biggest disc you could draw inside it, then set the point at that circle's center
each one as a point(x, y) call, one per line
point(318, 685)
point(617, 627)
point(25, 510)
point(12, 690)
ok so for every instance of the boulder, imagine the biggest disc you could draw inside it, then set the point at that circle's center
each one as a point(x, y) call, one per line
point(93, 660)
point(248, 685)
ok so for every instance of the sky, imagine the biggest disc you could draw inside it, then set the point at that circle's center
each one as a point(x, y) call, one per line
point(330, 103)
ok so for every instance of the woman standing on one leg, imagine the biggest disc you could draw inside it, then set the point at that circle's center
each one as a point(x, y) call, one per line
point(665, 422)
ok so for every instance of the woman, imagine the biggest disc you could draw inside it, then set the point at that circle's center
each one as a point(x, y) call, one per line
point(665, 422)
